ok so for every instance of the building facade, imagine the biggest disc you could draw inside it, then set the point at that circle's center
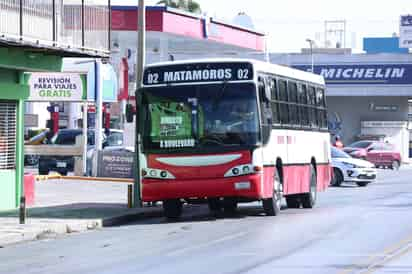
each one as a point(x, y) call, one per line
point(35, 36)
point(367, 94)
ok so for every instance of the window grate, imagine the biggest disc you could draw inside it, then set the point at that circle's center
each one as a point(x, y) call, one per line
point(8, 120)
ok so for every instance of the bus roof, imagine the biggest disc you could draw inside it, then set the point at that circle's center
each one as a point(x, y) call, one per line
point(259, 66)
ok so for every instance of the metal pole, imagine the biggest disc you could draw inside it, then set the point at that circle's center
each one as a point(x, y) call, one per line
point(310, 41)
point(84, 124)
point(141, 50)
point(99, 113)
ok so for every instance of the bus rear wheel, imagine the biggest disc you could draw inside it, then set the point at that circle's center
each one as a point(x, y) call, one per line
point(271, 205)
point(172, 209)
point(309, 199)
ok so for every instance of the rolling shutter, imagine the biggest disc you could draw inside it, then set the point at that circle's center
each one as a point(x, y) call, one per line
point(8, 119)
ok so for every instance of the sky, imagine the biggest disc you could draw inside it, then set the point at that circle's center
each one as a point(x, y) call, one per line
point(288, 23)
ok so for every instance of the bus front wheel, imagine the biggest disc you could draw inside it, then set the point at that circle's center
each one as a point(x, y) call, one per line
point(271, 205)
point(172, 209)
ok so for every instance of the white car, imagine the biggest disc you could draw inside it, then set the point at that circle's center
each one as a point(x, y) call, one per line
point(346, 168)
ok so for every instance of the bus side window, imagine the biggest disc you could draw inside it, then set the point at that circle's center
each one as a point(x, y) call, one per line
point(283, 105)
point(293, 98)
point(303, 101)
point(266, 111)
point(274, 101)
point(313, 121)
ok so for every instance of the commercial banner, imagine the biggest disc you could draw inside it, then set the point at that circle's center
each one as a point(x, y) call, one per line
point(57, 86)
point(405, 31)
point(364, 74)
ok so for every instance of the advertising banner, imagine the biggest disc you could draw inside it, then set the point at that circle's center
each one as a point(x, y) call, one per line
point(364, 74)
point(57, 86)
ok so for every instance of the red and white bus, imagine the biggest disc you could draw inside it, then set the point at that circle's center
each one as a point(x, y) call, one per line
point(232, 130)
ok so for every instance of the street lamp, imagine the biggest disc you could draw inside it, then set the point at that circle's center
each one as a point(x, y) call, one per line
point(311, 42)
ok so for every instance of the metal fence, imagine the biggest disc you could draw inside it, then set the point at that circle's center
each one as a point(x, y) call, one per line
point(75, 25)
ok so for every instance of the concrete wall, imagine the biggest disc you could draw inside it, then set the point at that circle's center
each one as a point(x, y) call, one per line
point(346, 113)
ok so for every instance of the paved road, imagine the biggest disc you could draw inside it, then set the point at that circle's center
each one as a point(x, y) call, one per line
point(352, 230)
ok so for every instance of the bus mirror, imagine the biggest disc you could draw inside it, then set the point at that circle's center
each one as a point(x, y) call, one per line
point(130, 112)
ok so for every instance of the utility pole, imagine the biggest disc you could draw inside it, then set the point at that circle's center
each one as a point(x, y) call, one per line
point(310, 41)
point(141, 50)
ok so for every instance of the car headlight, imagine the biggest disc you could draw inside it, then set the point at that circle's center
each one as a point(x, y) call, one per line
point(350, 165)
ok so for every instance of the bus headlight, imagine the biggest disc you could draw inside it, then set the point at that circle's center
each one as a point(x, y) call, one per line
point(153, 173)
point(240, 170)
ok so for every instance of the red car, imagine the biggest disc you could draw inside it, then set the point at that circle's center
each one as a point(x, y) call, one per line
point(378, 153)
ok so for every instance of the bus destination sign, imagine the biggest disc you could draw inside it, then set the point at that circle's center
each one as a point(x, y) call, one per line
point(198, 72)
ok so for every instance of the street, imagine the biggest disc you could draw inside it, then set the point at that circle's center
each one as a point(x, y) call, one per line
point(351, 230)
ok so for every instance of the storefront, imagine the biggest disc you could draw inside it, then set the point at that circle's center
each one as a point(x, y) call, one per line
point(24, 48)
point(362, 88)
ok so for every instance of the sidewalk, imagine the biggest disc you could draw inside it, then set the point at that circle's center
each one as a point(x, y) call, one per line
point(71, 206)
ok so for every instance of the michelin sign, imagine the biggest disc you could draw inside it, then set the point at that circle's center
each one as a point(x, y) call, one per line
point(384, 74)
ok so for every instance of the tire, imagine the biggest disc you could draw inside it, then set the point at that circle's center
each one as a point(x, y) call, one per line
point(309, 199)
point(63, 172)
point(292, 201)
point(229, 206)
point(172, 209)
point(32, 160)
point(395, 165)
point(43, 171)
point(362, 184)
point(271, 205)
point(337, 177)
point(215, 205)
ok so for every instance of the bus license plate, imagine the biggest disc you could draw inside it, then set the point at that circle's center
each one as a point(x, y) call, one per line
point(242, 185)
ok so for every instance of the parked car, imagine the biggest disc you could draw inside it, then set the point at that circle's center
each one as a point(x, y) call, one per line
point(65, 164)
point(346, 168)
point(379, 153)
point(38, 139)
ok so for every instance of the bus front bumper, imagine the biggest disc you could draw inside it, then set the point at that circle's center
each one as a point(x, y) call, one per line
point(247, 186)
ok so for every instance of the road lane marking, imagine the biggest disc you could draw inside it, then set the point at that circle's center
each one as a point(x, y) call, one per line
point(204, 245)
point(373, 262)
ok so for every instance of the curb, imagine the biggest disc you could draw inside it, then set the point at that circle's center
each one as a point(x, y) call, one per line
point(29, 232)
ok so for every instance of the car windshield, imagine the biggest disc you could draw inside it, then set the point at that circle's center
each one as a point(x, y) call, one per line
point(114, 139)
point(360, 144)
point(68, 137)
point(200, 116)
point(337, 153)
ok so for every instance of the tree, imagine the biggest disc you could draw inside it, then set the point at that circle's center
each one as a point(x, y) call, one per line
point(186, 5)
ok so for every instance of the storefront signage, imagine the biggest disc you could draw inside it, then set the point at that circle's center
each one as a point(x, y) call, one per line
point(115, 164)
point(57, 86)
point(405, 31)
point(385, 108)
point(384, 74)
point(200, 72)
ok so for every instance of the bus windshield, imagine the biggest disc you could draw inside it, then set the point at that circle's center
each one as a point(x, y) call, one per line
point(199, 116)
